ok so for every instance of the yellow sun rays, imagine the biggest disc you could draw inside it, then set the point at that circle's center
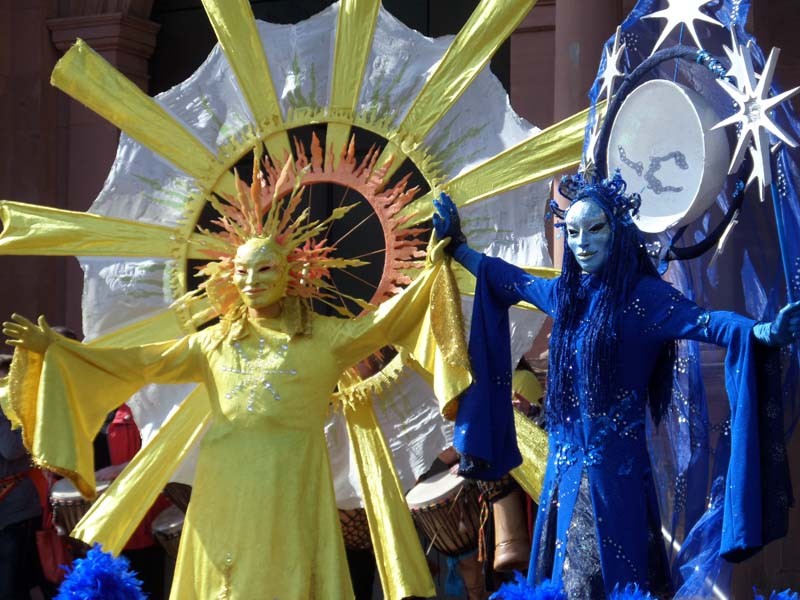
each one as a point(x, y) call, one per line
point(488, 27)
point(89, 79)
point(354, 31)
point(549, 153)
point(236, 30)
point(86, 77)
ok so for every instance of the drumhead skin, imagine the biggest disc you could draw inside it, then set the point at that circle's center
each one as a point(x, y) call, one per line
point(169, 522)
point(663, 143)
point(437, 488)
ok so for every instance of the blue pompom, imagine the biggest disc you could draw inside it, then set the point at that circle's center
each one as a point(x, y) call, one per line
point(100, 576)
point(519, 589)
point(786, 594)
point(632, 591)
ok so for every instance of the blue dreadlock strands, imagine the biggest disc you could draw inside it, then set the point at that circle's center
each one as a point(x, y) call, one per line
point(593, 375)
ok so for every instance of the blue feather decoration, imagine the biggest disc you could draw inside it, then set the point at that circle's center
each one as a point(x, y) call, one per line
point(632, 591)
point(519, 589)
point(786, 594)
point(100, 576)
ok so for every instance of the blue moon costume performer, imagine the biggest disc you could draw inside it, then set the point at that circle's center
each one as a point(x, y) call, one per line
point(611, 357)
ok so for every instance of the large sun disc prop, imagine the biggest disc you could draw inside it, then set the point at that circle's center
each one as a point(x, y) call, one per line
point(433, 103)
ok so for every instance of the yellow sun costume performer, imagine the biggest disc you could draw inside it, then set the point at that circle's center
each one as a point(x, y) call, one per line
point(438, 110)
point(263, 518)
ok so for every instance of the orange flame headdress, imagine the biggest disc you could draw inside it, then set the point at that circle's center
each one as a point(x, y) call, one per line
point(265, 209)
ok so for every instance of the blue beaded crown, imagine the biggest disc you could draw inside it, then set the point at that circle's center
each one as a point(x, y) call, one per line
point(610, 193)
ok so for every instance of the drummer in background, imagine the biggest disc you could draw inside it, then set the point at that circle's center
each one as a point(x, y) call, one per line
point(20, 512)
point(147, 557)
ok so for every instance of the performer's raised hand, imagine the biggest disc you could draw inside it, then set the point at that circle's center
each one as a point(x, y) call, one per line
point(21, 332)
point(447, 223)
point(784, 330)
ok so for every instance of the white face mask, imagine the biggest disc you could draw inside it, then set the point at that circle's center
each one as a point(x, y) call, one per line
point(588, 235)
point(261, 273)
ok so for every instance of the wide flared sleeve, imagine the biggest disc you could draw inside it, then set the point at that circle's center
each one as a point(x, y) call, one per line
point(485, 434)
point(758, 491)
point(425, 321)
point(61, 399)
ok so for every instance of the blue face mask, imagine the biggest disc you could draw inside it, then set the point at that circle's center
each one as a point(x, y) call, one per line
point(588, 235)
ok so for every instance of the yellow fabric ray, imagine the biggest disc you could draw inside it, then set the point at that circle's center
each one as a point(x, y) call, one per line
point(134, 491)
point(89, 79)
point(354, 33)
point(552, 151)
point(488, 26)
point(398, 554)
point(533, 446)
point(30, 229)
point(235, 27)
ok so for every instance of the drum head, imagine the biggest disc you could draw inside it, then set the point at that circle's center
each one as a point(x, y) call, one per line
point(435, 489)
point(663, 145)
point(169, 522)
point(63, 490)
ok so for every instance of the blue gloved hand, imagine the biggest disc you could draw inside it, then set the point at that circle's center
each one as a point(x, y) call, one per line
point(447, 223)
point(784, 330)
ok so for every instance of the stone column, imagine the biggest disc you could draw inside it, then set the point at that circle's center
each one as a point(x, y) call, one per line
point(581, 30)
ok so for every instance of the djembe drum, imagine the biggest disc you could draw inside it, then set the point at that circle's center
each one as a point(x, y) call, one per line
point(512, 546)
point(68, 504)
point(445, 507)
point(167, 528)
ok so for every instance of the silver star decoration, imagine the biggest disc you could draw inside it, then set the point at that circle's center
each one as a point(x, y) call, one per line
point(754, 114)
point(611, 70)
point(735, 69)
point(682, 12)
point(588, 166)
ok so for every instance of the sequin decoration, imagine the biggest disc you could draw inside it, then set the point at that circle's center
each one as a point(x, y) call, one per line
point(256, 372)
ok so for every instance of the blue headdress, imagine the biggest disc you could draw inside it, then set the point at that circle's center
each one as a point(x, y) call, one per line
point(627, 262)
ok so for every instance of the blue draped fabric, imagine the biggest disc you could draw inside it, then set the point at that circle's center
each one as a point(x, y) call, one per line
point(484, 433)
point(604, 451)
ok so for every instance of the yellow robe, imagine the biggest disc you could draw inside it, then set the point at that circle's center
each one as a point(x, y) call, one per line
point(263, 521)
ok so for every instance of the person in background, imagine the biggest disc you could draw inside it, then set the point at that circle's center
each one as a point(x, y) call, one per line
point(20, 512)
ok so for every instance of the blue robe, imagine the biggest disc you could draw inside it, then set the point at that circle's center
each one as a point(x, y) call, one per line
point(598, 522)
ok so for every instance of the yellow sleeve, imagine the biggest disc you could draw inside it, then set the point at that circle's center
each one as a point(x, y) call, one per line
point(425, 321)
point(61, 399)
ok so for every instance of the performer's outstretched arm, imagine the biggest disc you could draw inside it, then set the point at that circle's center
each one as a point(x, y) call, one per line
point(783, 330)
point(60, 390)
point(508, 282)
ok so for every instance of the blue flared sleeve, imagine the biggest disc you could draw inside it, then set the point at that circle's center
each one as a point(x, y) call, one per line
point(484, 429)
point(758, 491)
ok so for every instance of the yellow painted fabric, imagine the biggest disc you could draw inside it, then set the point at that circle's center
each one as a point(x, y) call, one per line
point(236, 30)
point(488, 26)
point(401, 562)
point(263, 518)
point(533, 445)
point(88, 78)
point(30, 229)
point(551, 152)
point(44, 231)
point(354, 31)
